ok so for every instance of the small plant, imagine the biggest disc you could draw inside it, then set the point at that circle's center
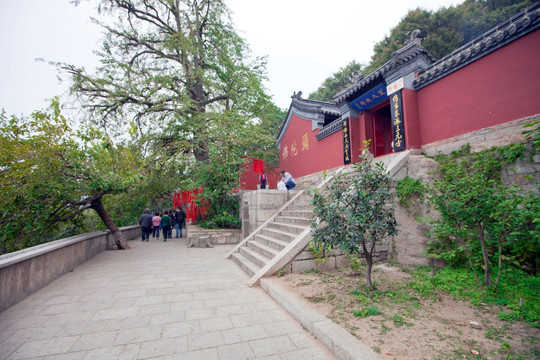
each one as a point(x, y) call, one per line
point(281, 272)
point(407, 188)
point(355, 263)
point(398, 320)
point(320, 251)
point(367, 311)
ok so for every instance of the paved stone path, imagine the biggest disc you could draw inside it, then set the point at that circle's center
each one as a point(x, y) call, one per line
point(159, 300)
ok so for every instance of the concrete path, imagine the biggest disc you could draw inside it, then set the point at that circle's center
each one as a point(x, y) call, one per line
point(159, 300)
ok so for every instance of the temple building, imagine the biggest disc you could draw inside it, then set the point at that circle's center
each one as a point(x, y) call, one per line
point(415, 102)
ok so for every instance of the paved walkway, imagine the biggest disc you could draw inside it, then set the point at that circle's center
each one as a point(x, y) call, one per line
point(159, 300)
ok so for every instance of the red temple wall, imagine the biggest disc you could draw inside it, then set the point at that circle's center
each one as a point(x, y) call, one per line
point(411, 121)
point(302, 154)
point(250, 178)
point(495, 89)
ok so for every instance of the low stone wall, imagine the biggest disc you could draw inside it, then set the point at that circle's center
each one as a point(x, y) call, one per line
point(305, 261)
point(26, 271)
point(198, 235)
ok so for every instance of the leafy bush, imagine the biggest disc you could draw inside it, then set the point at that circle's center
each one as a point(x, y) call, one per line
point(483, 224)
point(407, 188)
point(354, 212)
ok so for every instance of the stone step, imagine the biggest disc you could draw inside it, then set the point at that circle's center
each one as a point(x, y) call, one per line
point(253, 256)
point(306, 214)
point(291, 228)
point(294, 207)
point(292, 220)
point(263, 249)
point(272, 242)
point(278, 234)
point(245, 264)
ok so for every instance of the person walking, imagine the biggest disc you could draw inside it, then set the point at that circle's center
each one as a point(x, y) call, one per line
point(288, 180)
point(166, 225)
point(146, 224)
point(179, 218)
point(156, 220)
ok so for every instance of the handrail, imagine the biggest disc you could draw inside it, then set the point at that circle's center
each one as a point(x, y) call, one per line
point(256, 231)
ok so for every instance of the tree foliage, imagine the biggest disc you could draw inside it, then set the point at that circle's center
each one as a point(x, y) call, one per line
point(442, 32)
point(483, 223)
point(51, 174)
point(168, 67)
point(338, 81)
point(354, 211)
point(447, 29)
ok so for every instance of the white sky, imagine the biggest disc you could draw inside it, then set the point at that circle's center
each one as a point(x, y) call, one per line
point(305, 41)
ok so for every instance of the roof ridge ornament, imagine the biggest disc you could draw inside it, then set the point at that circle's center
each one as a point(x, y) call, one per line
point(296, 95)
point(415, 37)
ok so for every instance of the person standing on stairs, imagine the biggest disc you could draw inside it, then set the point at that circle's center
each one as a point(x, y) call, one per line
point(288, 180)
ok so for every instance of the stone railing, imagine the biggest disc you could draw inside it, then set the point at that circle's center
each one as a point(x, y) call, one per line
point(26, 271)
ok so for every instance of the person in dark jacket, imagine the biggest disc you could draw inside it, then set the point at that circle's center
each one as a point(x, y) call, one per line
point(179, 218)
point(146, 225)
point(166, 225)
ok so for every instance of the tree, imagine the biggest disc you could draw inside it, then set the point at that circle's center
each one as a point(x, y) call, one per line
point(354, 212)
point(168, 67)
point(447, 29)
point(52, 174)
point(231, 145)
point(482, 222)
point(338, 81)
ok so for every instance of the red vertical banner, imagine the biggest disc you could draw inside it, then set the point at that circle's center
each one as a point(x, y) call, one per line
point(188, 199)
point(258, 166)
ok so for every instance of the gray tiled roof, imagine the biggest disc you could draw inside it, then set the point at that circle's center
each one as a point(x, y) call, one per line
point(508, 31)
point(399, 58)
point(316, 106)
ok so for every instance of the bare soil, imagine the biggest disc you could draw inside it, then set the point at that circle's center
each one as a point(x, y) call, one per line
point(409, 327)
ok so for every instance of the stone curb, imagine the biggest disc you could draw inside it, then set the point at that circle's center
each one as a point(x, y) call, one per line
point(340, 342)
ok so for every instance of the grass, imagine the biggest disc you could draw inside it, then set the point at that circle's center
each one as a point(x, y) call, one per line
point(400, 303)
point(517, 291)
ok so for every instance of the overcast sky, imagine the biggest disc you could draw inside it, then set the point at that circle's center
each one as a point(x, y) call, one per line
point(305, 41)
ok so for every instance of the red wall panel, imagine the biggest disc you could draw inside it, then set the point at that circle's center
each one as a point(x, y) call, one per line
point(302, 154)
point(495, 89)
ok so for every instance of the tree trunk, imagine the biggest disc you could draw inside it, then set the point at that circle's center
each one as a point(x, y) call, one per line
point(369, 259)
point(485, 255)
point(121, 243)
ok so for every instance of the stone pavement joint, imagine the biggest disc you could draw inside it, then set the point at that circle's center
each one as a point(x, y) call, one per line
point(158, 300)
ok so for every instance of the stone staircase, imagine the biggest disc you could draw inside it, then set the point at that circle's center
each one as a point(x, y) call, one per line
point(276, 242)
point(272, 239)
point(285, 234)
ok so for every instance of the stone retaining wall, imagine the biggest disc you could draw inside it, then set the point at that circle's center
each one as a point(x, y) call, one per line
point(306, 260)
point(198, 235)
point(26, 271)
point(257, 206)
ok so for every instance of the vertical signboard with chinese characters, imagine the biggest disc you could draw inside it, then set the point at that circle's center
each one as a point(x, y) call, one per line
point(346, 142)
point(398, 133)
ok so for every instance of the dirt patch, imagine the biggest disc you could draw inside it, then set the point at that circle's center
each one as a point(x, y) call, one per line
point(399, 324)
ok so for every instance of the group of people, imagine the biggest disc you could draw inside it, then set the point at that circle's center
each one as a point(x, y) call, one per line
point(286, 183)
point(165, 221)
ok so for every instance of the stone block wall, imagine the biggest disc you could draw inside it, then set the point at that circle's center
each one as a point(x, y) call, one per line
point(197, 234)
point(257, 206)
point(408, 246)
point(337, 259)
